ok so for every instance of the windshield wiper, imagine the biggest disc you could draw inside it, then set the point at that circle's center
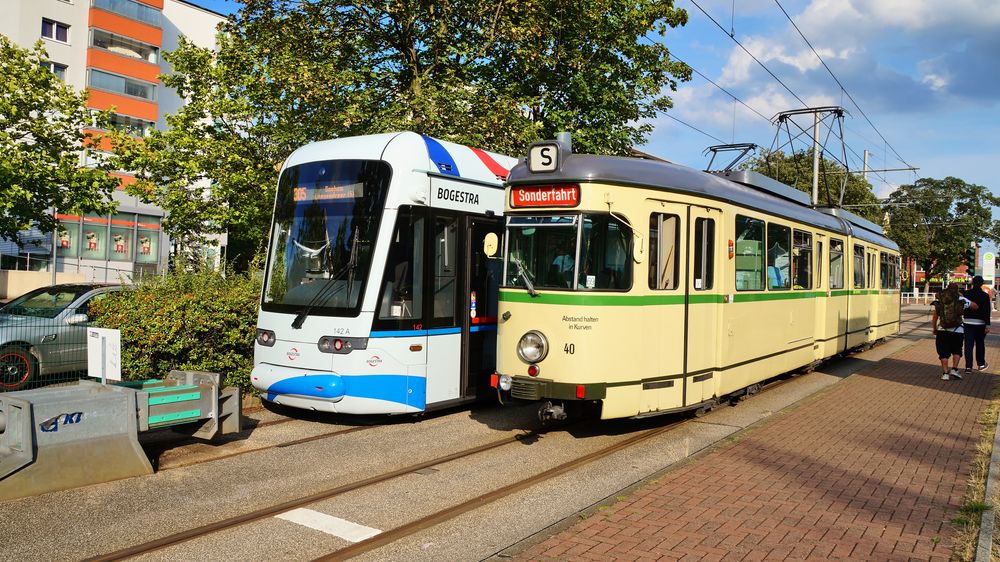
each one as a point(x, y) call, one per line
point(524, 275)
point(330, 290)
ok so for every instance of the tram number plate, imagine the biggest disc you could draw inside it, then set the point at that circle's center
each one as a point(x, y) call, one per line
point(543, 157)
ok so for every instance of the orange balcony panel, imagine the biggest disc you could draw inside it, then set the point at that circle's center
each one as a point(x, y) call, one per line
point(123, 65)
point(126, 27)
point(125, 105)
point(98, 141)
point(154, 3)
point(124, 180)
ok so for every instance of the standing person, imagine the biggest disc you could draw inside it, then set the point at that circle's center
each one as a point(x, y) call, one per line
point(948, 338)
point(977, 324)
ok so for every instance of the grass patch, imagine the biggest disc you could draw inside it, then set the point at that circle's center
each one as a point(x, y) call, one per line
point(974, 504)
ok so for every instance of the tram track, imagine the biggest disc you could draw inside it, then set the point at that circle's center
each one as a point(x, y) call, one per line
point(269, 447)
point(430, 520)
point(190, 534)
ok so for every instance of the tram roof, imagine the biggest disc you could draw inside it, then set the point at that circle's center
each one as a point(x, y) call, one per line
point(666, 176)
point(407, 151)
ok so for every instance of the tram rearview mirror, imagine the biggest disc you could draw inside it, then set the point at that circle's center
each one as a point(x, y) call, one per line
point(491, 243)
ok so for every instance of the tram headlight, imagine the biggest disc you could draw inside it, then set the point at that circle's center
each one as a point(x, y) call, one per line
point(533, 347)
point(505, 382)
point(265, 337)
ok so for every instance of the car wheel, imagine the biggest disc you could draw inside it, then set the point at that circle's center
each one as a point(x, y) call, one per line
point(17, 367)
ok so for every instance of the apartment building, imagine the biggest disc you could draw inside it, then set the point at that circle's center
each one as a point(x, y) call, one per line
point(113, 48)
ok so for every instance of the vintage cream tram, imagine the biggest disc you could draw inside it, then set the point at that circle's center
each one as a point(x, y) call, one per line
point(637, 287)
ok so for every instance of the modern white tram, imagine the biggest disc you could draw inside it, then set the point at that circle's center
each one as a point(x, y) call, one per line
point(380, 296)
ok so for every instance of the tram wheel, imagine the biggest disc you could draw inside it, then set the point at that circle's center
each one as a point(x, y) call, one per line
point(17, 367)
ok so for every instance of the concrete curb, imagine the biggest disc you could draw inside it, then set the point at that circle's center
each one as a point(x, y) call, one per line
point(984, 548)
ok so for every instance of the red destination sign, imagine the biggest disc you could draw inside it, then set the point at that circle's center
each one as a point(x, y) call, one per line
point(545, 196)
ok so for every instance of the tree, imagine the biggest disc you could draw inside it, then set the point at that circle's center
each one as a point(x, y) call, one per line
point(487, 74)
point(936, 221)
point(796, 171)
point(41, 119)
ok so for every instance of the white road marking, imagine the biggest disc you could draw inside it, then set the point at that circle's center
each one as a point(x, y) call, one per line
point(329, 524)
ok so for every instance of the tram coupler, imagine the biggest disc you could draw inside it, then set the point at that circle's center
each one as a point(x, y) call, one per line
point(551, 412)
point(63, 437)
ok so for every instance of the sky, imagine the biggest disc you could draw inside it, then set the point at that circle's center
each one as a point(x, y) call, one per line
point(919, 81)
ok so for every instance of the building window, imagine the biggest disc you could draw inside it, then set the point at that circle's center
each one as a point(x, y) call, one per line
point(131, 9)
point(52, 29)
point(147, 240)
point(58, 69)
point(124, 46)
point(68, 239)
point(94, 242)
point(136, 127)
point(122, 85)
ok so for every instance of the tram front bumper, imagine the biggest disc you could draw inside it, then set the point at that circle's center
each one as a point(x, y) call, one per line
point(274, 381)
point(534, 389)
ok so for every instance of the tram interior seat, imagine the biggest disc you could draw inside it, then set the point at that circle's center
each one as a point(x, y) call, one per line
point(774, 277)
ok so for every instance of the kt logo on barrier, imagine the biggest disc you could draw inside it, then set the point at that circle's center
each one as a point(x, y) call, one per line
point(52, 424)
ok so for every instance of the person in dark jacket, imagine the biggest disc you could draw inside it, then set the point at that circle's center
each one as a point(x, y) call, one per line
point(977, 324)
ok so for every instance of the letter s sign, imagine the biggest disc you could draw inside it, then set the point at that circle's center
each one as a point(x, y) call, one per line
point(543, 157)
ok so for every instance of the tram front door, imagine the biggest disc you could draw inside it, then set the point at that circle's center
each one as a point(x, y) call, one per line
point(461, 343)
point(479, 327)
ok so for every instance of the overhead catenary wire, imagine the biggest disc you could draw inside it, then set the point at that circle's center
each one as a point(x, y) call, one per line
point(727, 92)
point(695, 128)
point(844, 91)
point(747, 51)
point(837, 80)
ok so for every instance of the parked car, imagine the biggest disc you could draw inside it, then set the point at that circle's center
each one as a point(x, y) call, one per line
point(44, 332)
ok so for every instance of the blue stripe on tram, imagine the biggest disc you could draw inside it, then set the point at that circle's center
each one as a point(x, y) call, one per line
point(441, 157)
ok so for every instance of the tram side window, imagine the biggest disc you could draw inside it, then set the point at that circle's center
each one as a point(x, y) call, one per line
point(704, 255)
point(871, 271)
point(884, 270)
point(801, 260)
point(819, 264)
point(897, 281)
point(402, 285)
point(749, 254)
point(779, 244)
point(605, 253)
point(836, 264)
point(859, 266)
point(664, 232)
point(445, 270)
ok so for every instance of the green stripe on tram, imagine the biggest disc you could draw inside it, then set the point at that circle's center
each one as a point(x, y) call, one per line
point(777, 296)
point(578, 299)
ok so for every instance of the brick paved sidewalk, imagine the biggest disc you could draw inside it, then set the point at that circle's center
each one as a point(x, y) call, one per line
point(873, 468)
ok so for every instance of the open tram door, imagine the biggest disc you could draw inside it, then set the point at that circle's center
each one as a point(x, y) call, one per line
point(479, 327)
point(461, 324)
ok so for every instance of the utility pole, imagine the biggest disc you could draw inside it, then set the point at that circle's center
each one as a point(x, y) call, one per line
point(864, 169)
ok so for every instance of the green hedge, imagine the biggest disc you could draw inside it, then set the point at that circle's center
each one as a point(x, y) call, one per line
point(190, 321)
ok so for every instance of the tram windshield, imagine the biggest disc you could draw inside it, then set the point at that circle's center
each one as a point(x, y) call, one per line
point(569, 252)
point(326, 220)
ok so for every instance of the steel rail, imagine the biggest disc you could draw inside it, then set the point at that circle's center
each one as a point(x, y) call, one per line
point(210, 528)
point(417, 525)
